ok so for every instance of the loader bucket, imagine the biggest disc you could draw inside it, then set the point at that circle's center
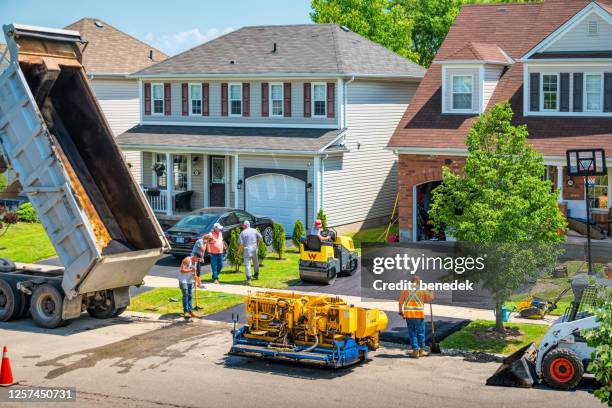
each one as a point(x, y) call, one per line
point(517, 370)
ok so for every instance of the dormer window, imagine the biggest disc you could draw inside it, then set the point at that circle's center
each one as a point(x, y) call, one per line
point(462, 87)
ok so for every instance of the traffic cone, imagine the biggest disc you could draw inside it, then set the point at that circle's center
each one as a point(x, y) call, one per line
point(6, 374)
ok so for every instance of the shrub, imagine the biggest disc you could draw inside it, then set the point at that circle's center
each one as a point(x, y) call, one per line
point(262, 250)
point(278, 240)
point(26, 213)
point(323, 217)
point(601, 340)
point(232, 250)
point(298, 233)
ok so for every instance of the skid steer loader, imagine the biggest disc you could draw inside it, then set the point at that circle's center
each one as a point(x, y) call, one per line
point(563, 354)
point(322, 260)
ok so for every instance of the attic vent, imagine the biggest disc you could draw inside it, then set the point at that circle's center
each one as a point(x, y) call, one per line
point(593, 27)
point(345, 28)
point(98, 24)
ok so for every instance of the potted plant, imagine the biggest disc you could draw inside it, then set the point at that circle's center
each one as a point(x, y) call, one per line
point(159, 169)
point(153, 192)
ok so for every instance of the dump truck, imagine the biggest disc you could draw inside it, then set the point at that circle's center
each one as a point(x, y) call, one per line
point(322, 330)
point(55, 138)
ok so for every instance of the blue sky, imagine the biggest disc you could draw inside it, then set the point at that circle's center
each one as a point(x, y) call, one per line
point(172, 26)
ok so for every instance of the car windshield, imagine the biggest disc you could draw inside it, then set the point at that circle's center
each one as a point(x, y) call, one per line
point(201, 222)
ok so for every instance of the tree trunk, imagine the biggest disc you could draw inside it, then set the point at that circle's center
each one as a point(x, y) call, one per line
point(499, 323)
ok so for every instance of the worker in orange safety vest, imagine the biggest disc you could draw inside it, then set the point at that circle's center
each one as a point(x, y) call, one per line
point(411, 307)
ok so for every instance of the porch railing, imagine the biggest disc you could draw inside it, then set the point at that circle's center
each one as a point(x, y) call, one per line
point(157, 202)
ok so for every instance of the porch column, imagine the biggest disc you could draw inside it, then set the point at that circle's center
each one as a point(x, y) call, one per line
point(169, 184)
point(316, 178)
point(227, 181)
point(560, 182)
point(206, 177)
point(235, 180)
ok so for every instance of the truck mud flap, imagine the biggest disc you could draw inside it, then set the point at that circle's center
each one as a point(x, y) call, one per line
point(517, 370)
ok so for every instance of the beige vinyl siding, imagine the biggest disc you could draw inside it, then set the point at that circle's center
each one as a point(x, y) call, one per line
point(147, 172)
point(278, 162)
point(362, 183)
point(119, 100)
point(297, 106)
point(197, 181)
point(578, 38)
point(491, 77)
point(448, 87)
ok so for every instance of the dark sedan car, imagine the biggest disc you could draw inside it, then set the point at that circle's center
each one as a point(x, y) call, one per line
point(183, 235)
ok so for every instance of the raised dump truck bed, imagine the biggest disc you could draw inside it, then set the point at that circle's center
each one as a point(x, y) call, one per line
point(54, 136)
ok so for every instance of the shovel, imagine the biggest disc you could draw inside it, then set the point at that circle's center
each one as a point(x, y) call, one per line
point(433, 346)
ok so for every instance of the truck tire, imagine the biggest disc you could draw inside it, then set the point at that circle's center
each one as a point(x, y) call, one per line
point(7, 266)
point(10, 302)
point(100, 311)
point(119, 311)
point(46, 306)
point(562, 369)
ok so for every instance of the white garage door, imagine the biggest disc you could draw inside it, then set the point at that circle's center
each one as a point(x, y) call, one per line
point(277, 196)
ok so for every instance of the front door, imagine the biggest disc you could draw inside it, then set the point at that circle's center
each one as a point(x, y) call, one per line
point(217, 181)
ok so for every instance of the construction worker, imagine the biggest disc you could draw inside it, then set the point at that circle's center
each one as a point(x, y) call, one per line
point(216, 246)
point(316, 229)
point(186, 276)
point(411, 307)
point(248, 240)
point(199, 249)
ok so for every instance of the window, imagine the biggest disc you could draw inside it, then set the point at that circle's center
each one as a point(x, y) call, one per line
point(598, 191)
point(593, 92)
point(159, 170)
point(179, 169)
point(462, 92)
point(242, 217)
point(195, 99)
point(276, 99)
point(550, 92)
point(319, 99)
point(235, 97)
point(158, 99)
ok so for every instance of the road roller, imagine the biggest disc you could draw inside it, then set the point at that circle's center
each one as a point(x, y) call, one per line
point(324, 259)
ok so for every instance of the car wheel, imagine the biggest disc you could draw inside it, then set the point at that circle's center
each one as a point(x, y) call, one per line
point(267, 235)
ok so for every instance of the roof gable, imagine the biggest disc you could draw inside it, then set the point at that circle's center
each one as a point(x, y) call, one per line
point(573, 34)
point(288, 49)
point(111, 51)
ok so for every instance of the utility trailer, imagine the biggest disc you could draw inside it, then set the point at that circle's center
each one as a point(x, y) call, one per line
point(55, 138)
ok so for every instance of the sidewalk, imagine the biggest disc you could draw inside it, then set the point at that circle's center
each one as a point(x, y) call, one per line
point(440, 311)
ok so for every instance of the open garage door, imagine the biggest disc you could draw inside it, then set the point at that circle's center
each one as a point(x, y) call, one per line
point(278, 196)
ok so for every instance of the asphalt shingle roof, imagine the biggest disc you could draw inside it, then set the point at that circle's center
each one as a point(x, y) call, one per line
point(516, 29)
point(229, 138)
point(305, 48)
point(111, 51)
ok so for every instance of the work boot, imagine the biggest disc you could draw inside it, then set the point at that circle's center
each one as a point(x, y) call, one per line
point(248, 282)
point(216, 282)
point(187, 315)
point(423, 353)
point(415, 353)
point(192, 314)
point(256, 277)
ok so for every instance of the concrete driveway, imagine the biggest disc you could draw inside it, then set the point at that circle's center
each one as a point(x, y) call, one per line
point(131, 362)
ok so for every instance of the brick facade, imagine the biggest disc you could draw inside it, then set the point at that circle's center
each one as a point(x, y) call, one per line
point(414, 170)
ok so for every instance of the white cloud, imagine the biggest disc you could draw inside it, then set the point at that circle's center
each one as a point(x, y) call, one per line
point(173, 44)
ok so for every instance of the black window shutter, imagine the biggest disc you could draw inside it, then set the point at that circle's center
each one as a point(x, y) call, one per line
point(577, 91)
point(564, 91)
point(608, 92)
point(534, 92)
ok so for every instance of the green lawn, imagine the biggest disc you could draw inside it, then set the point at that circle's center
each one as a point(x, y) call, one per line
point(478, 336)
point(371, 235)
point(26, 242)
point(167, 301)
point(277, 274)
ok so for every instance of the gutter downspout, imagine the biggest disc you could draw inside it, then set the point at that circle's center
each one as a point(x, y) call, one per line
point(345, 102)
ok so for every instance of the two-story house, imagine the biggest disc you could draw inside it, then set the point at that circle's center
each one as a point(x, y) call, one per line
point(553, 62)
point(278, 120)
point(110, 56)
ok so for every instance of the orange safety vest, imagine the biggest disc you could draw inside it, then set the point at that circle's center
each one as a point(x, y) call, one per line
point(412, 303)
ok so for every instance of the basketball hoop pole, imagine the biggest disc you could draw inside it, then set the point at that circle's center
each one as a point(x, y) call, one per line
point(588, 219)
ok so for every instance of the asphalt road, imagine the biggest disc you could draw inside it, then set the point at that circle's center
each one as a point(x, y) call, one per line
point(127, 362)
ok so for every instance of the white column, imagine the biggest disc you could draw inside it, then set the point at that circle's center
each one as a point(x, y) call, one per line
point(235, 180)
point(189, 170)
point(169, 184)
point(560, 182)
point(206, 178)
point(227, 181)
point(316, 182)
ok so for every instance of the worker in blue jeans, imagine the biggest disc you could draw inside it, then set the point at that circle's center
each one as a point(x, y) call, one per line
point(216, 247)
point(186, 276)
point(411, 307)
